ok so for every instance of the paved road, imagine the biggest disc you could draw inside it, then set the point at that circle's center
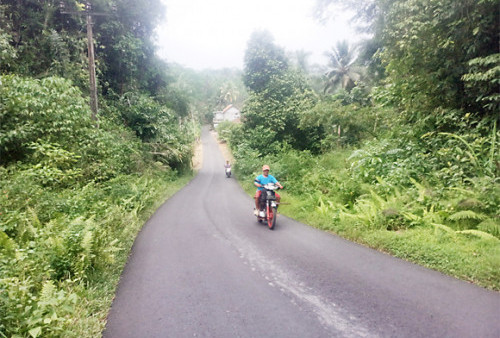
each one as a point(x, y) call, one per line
point(203, 267)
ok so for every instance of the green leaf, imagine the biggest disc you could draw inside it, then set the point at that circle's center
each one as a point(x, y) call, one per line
point(478, 233)
point(35, 332)
point(466, 214)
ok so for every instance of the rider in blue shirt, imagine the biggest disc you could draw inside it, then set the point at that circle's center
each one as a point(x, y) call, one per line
point(262, 180)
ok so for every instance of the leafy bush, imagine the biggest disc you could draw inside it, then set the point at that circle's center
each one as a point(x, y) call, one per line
point(461, 156)
point(247, 160)
point(342, 122)
point(50, 109)
point(71, 200)
point(385, 159)
point(482, 80)
point(54, 165)
point(395, 187)
point(56, 244)
point(158, 128)
point(110, 150)
point(229, 132)
point(46, 124)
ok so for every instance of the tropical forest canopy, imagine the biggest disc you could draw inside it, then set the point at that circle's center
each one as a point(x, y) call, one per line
point(395, 144)
point(75, 190)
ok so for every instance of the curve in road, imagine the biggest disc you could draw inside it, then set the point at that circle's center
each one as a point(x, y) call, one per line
point(203, 267)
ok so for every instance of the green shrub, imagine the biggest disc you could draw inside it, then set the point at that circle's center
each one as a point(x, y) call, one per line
point(229, 132)
point(50, 109)
point(56, 244)
point(392, 194)
point(159, 128)
point(72, 198)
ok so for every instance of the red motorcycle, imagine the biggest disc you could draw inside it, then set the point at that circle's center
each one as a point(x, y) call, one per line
point(268, 210)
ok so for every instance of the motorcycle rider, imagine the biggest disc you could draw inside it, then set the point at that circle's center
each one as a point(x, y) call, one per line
point(262, 180)
point(227, 166)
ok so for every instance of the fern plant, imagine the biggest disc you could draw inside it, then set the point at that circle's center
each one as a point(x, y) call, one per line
point(466, 219)
point(490, 226)
point(478, 233)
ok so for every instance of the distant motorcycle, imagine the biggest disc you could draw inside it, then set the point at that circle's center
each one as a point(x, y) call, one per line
point(268, 210)
point(228, 172)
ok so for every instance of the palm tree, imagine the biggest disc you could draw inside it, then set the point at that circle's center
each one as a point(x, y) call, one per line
point(228, 94)
point(343, 71)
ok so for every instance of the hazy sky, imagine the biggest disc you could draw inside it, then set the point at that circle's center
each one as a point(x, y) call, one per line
point(214, 33)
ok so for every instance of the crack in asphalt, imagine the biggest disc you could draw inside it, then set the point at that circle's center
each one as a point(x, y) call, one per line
point(328, 314)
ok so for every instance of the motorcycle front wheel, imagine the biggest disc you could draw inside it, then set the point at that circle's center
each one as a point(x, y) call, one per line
point(272, 212)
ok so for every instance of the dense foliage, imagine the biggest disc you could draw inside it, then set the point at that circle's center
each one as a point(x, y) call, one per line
point(48, 40)
point(62, 250)
point(428, 48)
point(401, 151)
point(72, 196)
point(74, 191)
point(277, 95)
point(405, 153)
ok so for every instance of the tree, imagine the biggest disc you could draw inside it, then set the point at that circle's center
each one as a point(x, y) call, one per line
point(369, 17)
point(278, 95)
point(427, 49)
point(263, 61)
point(228, 94)
point(47, 42)
point(126, 45)
point(367, 12)
point(43, 43)
point(300, 58)
point(8, 53)
point(344, 73)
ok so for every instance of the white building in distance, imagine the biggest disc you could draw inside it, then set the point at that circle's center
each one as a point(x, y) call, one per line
point(230, 113)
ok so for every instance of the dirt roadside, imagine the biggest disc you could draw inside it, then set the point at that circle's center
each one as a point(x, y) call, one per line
point(224, 148)
point(197, 160)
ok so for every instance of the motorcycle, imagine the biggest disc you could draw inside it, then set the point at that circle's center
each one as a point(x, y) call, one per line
point(228, 172)
point(268, 205)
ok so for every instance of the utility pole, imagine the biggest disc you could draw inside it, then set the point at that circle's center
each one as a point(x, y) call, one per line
point(90, 48)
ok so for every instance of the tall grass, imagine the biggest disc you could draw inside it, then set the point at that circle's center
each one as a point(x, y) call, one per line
point(395, 199)
point(62, 251)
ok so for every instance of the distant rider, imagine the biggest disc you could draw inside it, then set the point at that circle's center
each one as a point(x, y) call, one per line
point(261, 180)
point(227, 168)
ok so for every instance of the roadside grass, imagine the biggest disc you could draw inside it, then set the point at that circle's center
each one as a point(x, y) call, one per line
point(98, 298)
point(62, 251)
point(470, 256)
point(467, 257)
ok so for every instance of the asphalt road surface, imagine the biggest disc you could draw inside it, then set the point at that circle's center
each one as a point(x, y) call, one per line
point(203, 267)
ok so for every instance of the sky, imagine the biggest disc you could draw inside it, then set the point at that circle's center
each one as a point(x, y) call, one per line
point(213, 34)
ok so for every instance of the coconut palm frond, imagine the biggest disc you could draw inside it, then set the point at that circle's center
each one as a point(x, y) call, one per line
point(343, 72)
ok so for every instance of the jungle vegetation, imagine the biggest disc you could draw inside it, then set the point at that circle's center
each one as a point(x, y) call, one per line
point(74, 190)
point(399, 149)
point(395, 145)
